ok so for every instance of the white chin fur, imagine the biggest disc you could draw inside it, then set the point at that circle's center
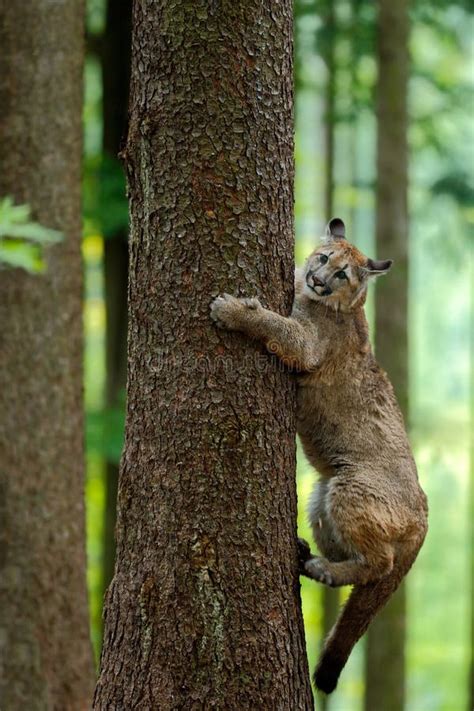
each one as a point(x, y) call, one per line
point(309, 292)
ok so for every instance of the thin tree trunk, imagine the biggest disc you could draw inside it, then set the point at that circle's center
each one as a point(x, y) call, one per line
point(44, 625)
point(115, 56)
point(204, 608)
point(330, 106)
point(116, 275)
point(385, 658)
point(354, 139)
point(330, 596)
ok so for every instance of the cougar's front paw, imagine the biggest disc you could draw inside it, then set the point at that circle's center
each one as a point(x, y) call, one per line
point(224, 311)
point(317, 569)
point(229, 312)
point(253, 304)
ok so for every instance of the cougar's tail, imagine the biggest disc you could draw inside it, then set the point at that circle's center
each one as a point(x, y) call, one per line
point(363, 604)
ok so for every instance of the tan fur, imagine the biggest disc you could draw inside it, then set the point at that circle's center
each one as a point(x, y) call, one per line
point(368, 512)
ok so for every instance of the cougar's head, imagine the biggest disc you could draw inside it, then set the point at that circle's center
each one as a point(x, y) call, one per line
point(337, 274)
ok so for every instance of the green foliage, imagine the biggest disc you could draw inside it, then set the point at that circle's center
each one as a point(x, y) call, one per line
point(105, 203)
point(95, 16)
point(21, 239)
point(104, 432)
point(458, 185)
point(105, 208)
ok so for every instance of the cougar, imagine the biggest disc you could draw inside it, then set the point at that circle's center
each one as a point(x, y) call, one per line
point(368, 512)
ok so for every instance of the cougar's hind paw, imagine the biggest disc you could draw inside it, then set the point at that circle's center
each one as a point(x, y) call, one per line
point(304, 550)
point(304, 554)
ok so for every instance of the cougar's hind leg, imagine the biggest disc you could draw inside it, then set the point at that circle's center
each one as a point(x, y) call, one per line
point(356, 535)
point(326, 536)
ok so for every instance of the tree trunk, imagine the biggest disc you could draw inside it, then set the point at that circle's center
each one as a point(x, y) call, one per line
point(330, 107)
point(115, 56)
point(385, 658)
point(116, 276)
point(330, 596)
point(44, 626)
point(204, 608)
point(354, 83)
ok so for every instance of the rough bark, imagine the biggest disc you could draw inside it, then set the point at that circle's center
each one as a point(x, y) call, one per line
point(46, 660)
point(115, 57)
point(385, 657)
point(204, 609)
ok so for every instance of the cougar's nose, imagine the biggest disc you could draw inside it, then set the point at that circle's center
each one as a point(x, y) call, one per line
point(316, 281)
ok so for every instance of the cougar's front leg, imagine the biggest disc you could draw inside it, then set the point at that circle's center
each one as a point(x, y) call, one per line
point(285, 337)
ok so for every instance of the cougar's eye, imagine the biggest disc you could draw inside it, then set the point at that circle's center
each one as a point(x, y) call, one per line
point(323, 259)
point(341, 275)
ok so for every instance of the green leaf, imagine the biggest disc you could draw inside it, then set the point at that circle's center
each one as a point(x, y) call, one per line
point(23, 256)
point(15, 222)
point(21, 239)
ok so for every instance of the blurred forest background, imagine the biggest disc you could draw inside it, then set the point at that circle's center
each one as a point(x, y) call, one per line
point(335, 117)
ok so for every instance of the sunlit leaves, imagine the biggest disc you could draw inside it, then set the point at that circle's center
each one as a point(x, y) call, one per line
point(21, 239)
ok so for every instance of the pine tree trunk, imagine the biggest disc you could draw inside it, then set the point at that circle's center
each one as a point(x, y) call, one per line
point(46, 660)
point(115, 58)
point(204, 609)
point(385, 658)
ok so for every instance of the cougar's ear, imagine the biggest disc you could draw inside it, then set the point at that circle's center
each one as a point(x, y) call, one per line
point(376, 267)
point(335, 229)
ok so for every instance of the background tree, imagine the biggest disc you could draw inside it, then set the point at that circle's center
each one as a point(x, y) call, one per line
point(115, 60)
point(46, 655)
point(385, 655)
point(203, 609)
